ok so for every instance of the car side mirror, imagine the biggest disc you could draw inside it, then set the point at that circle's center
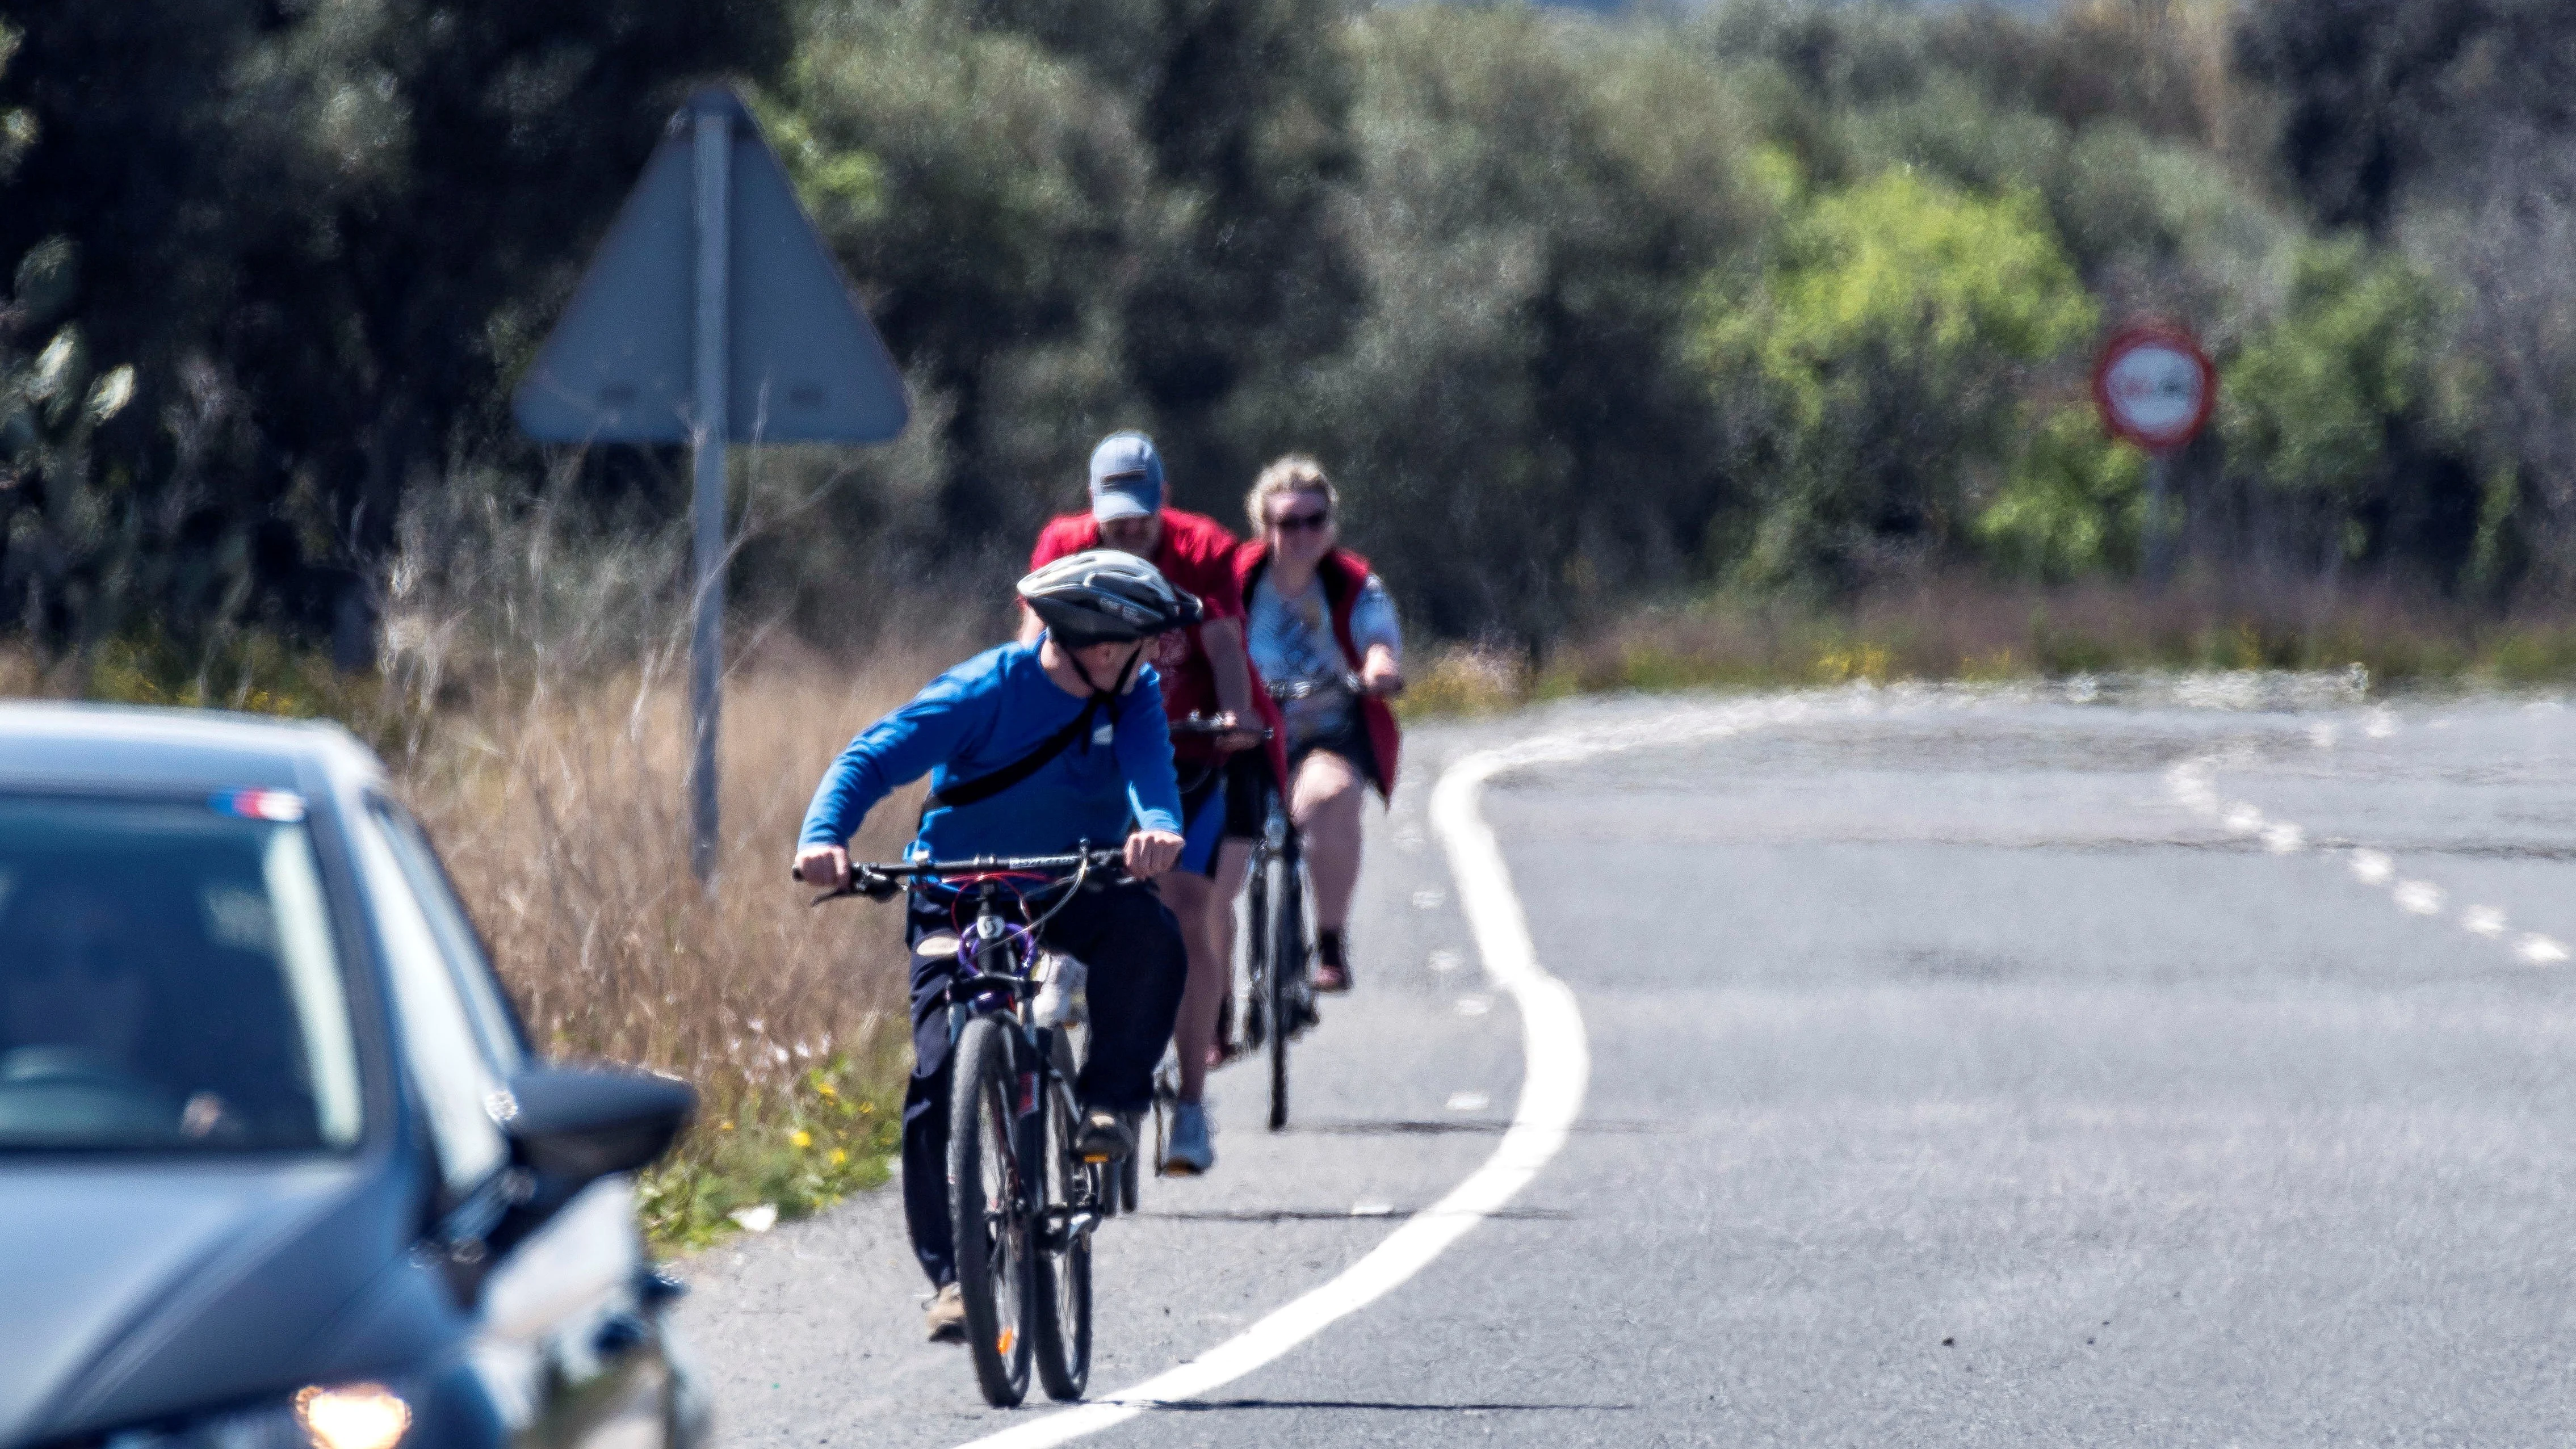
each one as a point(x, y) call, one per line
point(577, 1124)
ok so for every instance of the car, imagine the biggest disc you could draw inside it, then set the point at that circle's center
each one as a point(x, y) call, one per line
point(279, 1168)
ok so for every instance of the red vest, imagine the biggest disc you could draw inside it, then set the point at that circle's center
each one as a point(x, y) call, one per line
point(1343, 573)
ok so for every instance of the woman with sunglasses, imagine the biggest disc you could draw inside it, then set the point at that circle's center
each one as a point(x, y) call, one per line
point(1322, 633)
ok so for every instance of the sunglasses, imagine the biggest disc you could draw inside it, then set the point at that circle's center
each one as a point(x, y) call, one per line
point(1300, 522)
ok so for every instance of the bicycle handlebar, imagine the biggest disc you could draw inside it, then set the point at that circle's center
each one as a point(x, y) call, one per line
point(1201, 725)
point(1093, 857)
point(877, 879)
point(1288, 689)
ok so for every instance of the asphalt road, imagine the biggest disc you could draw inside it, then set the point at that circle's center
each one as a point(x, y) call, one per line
point(2179, 1066)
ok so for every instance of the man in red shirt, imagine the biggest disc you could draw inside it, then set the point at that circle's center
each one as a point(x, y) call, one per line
point(1204, 671)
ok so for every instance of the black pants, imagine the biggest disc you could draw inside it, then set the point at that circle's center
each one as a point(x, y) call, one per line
point(1133, 947)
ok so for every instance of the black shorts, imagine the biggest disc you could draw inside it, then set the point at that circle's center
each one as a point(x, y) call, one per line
point(1351, 742)
point(1241, 776)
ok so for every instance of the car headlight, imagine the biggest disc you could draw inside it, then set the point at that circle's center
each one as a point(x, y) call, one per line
point(357, 1416)
point(336, 1416)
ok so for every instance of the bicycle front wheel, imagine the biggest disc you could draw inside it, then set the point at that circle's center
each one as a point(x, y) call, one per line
point(1062, 1322)
point(990, 1206)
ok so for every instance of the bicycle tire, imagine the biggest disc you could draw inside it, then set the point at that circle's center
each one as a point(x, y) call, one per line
point(1287, 957)
point(1256, 956)
point(1061, 1324)
point(989, 1210)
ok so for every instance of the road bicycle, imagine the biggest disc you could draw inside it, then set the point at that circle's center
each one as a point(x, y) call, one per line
point(1279, 944)
point(1279, 990)
point(1022, 1202)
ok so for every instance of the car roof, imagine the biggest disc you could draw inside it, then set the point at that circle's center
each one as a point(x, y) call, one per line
point(130, 747)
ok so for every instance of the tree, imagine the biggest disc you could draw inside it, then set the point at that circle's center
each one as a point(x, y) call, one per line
point(1243, 106)
point(2350, 404)
point(1876, 365)
point(326, 235)
point(2378, 98)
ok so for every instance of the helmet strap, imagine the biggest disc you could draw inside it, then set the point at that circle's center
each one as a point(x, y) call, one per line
point(1126, 673)
point(1101, 697)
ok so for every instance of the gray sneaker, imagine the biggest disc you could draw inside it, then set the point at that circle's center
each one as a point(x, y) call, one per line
point(945, 1318)
point(1192, 1151)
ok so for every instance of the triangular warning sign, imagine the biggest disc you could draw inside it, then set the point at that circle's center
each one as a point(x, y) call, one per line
point(803, 364)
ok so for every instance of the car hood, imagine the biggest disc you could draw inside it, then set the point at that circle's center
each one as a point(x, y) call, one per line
point(143, 1289)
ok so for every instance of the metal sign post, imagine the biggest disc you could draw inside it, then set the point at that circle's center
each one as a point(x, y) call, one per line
point(2156, 387)
point(713, 314)
point(707, 497)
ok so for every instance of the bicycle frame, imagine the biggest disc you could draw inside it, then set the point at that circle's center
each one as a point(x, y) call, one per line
point(996, 978)
point(996, 960)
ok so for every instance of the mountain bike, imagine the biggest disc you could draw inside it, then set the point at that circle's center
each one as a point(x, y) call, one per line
point(1022, 1203)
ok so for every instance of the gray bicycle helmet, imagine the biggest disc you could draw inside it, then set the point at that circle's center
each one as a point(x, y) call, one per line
point(1103, 596)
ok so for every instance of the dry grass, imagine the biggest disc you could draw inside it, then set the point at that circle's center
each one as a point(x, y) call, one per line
point(563, 817)
point(1966, 628)
point(532, 711)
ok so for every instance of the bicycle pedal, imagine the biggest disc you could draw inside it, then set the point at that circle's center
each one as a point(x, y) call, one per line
point(1103, 1157)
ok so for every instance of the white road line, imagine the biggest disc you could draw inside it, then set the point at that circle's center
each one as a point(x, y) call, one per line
point(1559, 1066)
point(1556, 1054)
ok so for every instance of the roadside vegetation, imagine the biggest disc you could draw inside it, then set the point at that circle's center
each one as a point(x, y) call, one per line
point(1739, 344)
point(1968, 629)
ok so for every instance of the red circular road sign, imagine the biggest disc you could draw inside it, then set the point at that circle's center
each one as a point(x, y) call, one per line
point(2155, 387)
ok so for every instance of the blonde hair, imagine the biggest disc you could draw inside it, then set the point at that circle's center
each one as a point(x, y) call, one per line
point(1295, 473)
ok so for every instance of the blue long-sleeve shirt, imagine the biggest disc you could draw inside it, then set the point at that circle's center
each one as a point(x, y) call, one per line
point(984, 714)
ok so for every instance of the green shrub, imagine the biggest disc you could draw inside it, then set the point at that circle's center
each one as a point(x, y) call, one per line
point(2074, 502)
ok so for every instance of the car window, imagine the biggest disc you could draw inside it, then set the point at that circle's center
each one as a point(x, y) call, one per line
point(168, 980)
point(456, 1079)
point(495, 1024)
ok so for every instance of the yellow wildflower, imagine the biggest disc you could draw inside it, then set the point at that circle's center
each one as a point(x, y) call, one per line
point(802, 1138)
point(828, 1090)
point(840, 1156)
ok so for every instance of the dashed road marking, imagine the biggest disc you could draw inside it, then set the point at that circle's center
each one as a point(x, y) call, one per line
point(2192, 783)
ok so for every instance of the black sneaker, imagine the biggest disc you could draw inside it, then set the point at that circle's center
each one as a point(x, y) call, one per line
point(1105, 1137)
point(1332, 971)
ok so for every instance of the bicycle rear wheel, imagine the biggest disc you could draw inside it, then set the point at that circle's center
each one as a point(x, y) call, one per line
point(1256, 956)
point(990, 1203)
point(1287, 972)
point(1062, 1322)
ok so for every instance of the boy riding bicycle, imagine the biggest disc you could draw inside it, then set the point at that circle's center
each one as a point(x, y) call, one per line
point(1033, 749)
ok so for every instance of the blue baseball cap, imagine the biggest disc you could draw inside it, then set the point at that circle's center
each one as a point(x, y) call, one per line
point(1126, 477)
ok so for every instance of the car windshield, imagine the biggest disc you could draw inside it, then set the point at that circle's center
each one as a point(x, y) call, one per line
point(168, 981)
